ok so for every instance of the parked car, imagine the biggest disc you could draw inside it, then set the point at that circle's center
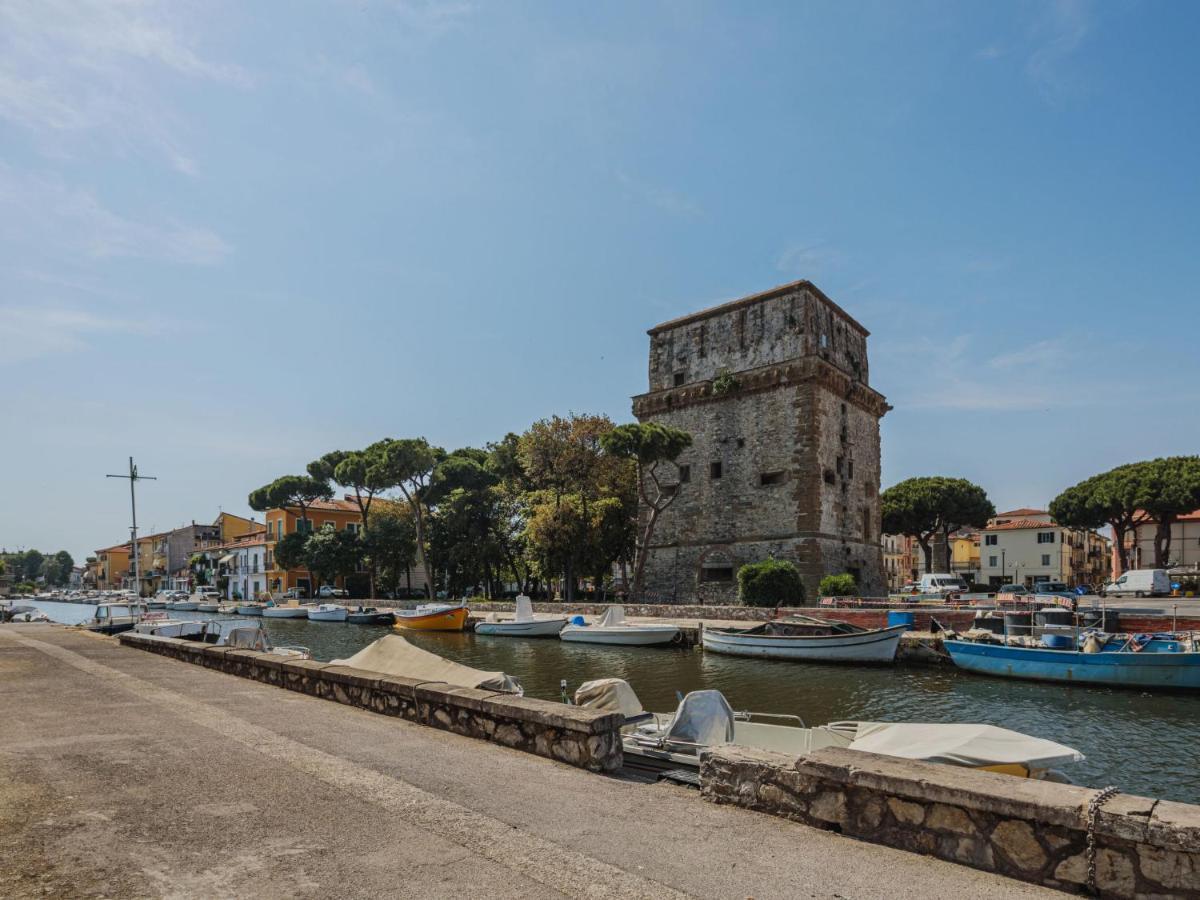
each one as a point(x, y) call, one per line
point(328, 591)
point(1016, 590)
point(1057, 588)
point(295, 593)
point(1140, 583)
point(941, 584)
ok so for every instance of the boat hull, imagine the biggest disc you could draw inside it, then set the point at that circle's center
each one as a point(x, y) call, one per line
point(250, 610)
point(284, 612)
point(206, 607)
point(625, 635)
point(868, 647)
point(184, 606)
point(453, 619)
point(327, 615)
point(377, 618)
point(1145, 670)
point(537, 628)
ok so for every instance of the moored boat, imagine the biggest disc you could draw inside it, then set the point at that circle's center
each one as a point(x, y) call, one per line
point(370, 615)
point(612, 628)
point(393, 655)
point(807, 639)
point(250, 609)
point(659, 742)
point(523, 624)
point(327, 612)
point(207, 607)
point(287, 611)
point(184, 605)
point(232, 633)
point(433, 617)
point(1164, 662)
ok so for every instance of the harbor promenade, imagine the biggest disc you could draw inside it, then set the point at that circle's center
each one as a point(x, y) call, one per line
point(125, 774)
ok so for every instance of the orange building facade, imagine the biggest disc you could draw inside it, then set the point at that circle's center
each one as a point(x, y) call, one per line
point(342, 515)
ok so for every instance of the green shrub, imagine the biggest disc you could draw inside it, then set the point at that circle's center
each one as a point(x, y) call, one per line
point(838, 586)
point(724, 383)
point(772, 582)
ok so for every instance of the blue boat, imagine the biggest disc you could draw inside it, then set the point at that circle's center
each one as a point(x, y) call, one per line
point(1162, 663)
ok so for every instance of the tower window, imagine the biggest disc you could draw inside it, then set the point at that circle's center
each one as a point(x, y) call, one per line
point(679, 376)
point(766, 479)
point(714, 470)
point(716, 573)
point(685, 474)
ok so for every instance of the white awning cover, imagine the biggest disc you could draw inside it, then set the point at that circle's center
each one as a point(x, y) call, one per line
point(393, 655)
point(961, 745)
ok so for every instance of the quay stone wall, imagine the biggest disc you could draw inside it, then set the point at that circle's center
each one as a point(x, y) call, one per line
point(579, 737)
point(1031, 830)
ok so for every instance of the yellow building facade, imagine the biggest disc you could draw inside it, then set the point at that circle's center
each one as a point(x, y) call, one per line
point(342, 515)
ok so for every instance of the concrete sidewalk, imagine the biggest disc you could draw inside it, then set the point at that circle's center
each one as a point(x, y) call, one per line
point(124, 774)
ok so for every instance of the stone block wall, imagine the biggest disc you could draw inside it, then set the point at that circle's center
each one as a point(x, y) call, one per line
point(579, 737)
point(785, 461)
point(1031, 830)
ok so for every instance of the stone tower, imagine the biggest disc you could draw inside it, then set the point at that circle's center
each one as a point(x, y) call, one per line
point(785, 459)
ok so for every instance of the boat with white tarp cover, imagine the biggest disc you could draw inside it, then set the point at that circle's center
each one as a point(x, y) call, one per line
point(393, 655)
point(661, 742)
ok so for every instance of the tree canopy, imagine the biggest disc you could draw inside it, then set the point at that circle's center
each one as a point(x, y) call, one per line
point(648, 445)
point(1155, 491)
point(930, 505)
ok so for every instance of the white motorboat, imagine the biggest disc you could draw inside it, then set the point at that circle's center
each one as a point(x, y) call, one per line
point(659, 742)
point(250, 609)
point(288, 611)
point(613, 629)
point(227, 609)
point(523, 624)
point(807, 639)
point(184, 605)
point(231, 633)
point(207, 607)
point(327, 612)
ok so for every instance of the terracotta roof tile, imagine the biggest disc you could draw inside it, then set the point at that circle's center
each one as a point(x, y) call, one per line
point(1020, 523)
point(1022, 512)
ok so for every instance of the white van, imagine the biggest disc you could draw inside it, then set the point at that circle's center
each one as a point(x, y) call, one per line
point(943, 584)
point(1140, 583)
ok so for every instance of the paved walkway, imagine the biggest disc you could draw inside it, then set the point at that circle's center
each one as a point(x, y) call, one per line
point(124, 774)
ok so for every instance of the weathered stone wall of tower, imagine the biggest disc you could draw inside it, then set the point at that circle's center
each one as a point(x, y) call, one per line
point(785, 459)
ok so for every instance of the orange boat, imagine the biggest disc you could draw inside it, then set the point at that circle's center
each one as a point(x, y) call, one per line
point(433, 617)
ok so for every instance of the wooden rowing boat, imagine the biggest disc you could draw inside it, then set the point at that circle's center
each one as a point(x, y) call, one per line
point(433, 617)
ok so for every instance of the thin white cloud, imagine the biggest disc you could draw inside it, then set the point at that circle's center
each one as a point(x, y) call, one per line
point(44, 212)
point(1047, 354)
point(89, 70)
point(1060, 30)
point(667, 200)
point(32, 332)
point(431, 18)
point(809, 258)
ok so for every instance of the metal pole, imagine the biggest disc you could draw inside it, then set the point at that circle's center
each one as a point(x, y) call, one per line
point(134, 477)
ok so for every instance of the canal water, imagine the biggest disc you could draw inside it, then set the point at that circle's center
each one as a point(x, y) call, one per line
point(1142, 743)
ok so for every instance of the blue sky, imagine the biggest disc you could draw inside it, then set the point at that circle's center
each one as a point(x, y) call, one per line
point(234, 236)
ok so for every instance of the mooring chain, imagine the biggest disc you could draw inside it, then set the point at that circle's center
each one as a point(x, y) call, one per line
point(1097, 801)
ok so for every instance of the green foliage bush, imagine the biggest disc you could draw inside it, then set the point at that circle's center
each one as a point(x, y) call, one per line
point(772, 582)
point(724, 383)
point(838, 586)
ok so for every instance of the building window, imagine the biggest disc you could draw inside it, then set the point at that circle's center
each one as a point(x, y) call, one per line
point(679, 376)
point(332, 524)
point(766, 479)
point(685, 474)
point(991, 540)
point(824, 339)
point(992, 561)
point(1045, 559)
point(352, 527)
point(714, 470)
point(1045, 537)
point(711, 574)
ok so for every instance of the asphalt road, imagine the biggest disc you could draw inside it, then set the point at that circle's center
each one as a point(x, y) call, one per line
point(124, 774)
